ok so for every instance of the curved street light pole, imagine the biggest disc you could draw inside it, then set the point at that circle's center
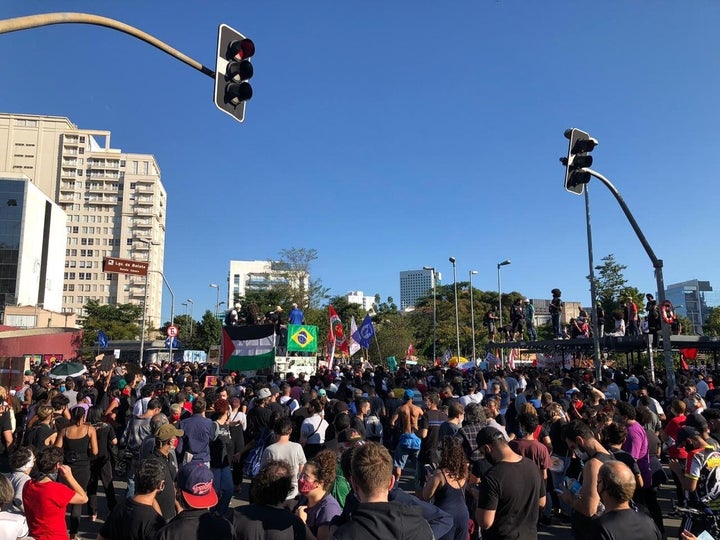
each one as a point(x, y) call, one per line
point(472, 313)
point(434, 289)
point(457, 317)
point(503, 263)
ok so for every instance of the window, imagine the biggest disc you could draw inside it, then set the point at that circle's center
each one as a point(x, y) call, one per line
point(146, 167)
point(132, 185)
point(75, 230)
point(79, 172)
point(134, 167)
point(129, 241)
point(82, 139)
point(122, 162)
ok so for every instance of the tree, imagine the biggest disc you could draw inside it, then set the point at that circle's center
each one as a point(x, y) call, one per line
point(118, 321)
point(712, 326)
point(612, 289)
point(295, 264)
point(206, 332)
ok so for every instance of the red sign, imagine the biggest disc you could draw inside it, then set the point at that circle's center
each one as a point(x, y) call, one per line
point(172, 331)
point(125, 266)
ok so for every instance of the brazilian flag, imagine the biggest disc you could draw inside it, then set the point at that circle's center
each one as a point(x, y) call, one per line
point(302, 338)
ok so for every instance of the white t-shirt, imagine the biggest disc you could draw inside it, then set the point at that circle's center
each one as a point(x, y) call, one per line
point(313, 429)
point(13, 526)
point(291, 452)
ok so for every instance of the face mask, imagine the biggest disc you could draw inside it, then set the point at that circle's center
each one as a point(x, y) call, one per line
point(581, 455)
point(62, 389)
point(53, 476)
point(305, 486)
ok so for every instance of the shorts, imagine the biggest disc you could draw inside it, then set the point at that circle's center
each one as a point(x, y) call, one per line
point(401, 455)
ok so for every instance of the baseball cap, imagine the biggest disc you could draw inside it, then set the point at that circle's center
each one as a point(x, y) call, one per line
point(167, 431)
point(263, 393)
point(28, 372)
point(409, 394)
point(687, 433)
point(488, 435)
point(322, 392)
point(195, 482)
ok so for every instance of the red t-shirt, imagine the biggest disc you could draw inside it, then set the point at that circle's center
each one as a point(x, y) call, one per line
point(45, 506)
point(671, 430)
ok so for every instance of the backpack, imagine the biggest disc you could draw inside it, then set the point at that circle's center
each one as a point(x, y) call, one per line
point(251, 467)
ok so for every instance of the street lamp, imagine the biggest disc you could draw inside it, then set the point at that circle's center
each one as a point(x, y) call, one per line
point(145, 296)
point(192, 305)
point(504, 263)
point(457, 317)
point(217, 297)
point(434, 284)
point(472, 313)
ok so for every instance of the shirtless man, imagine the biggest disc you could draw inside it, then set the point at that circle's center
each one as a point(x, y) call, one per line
point(408, 415)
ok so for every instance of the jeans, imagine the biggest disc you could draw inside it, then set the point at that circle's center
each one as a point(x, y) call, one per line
point(557, 480)
point(224, 487)
point(556, 324)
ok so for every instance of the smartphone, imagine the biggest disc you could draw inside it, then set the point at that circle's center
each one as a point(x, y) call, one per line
point(429, 469)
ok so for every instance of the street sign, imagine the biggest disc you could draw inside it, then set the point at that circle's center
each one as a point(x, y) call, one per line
point(172, 342)
point(125, 266)
point(172, 331)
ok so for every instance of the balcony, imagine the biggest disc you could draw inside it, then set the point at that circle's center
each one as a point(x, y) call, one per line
point(101, 188)
point(140, 246)
point(142, 211)
point(101, 200)
point(67, 186)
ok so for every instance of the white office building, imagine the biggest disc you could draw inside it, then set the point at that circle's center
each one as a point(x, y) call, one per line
point(357, 297)
point(246, 276)
point(32, 246)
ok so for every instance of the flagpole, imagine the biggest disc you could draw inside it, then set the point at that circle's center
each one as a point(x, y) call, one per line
point(378, 348)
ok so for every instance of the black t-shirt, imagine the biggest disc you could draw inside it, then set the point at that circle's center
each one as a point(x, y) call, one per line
point(621, 524)
point(166, 497)
point(132, 521)
point(196, 524)
point(513, 490)
point(268, 522)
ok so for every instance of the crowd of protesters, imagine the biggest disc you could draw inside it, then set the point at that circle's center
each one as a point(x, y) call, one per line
point(491, 454)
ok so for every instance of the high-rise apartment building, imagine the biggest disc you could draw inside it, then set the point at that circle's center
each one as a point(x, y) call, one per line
point(415, 284)
point(111, 198)
point(693, 299)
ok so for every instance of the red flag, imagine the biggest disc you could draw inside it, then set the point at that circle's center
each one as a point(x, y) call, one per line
point(336, 330)
point(330, 348)
point(411, 350)
point(683, 363)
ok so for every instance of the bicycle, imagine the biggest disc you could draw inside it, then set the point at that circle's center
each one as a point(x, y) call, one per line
point(697, 520)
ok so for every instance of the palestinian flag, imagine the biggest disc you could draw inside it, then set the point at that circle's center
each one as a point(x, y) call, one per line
point(248, 348)
point(302, 337)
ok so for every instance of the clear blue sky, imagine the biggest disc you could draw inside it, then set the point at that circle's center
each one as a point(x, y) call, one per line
point(392, 135)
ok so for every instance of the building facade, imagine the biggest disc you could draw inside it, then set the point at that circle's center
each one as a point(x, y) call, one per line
point(357, 297)
point(415, 284)
point(247, 276)
point(32, 247)
point(111, 198)
point(693, 299)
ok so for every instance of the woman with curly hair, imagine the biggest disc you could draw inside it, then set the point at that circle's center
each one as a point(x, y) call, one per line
point(317, 507)
point(447, 487)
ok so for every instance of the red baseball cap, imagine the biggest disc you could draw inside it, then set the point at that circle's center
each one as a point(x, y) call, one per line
point(195, 482)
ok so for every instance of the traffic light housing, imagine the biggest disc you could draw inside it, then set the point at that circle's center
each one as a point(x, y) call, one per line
point(579, 146)
point(232, 72)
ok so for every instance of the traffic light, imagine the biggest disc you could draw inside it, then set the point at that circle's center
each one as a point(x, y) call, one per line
point(580, 145)
point(232, 72)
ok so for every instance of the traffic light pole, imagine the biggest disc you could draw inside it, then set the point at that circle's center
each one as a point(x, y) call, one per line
point(658, 266)
point(593, 291)
point(47, 19)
